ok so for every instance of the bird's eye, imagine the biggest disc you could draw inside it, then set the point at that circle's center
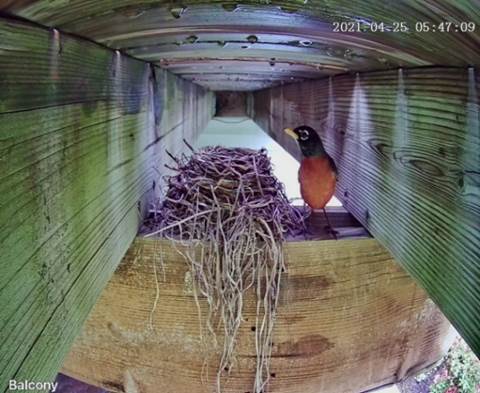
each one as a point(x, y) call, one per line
point(304, 135)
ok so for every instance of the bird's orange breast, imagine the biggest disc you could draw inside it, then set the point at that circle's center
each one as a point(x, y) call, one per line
point(317, 181)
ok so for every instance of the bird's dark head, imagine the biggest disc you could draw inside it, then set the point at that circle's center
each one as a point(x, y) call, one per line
point(308, 140)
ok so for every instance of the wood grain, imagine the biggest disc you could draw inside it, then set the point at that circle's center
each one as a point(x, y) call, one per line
point(349, 319)
point(81, 131)
point(406, 144)
point(279, 35)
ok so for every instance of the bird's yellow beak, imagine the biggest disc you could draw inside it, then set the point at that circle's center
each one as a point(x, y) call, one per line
point(290, 132)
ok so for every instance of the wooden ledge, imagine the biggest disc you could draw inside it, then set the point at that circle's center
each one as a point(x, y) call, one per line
point(350, 319)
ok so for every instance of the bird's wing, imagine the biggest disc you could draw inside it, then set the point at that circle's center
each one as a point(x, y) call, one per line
point(332, 165)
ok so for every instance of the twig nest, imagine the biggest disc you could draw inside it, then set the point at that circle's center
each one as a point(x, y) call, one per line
point(227, 205)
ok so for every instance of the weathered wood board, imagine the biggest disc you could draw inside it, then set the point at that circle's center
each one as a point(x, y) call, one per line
point(251, 44)
point(349, 319)
point(81, 131)
point(407, 145)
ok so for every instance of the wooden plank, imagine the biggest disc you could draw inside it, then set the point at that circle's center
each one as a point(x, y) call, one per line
point(349, 319)
point(81, 130)
point(231, 103)
point(291, 32)
point(52, 75)
point(406, 143)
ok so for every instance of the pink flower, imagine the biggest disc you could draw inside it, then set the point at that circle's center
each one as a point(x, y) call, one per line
point(441, 376)
point(452, 389)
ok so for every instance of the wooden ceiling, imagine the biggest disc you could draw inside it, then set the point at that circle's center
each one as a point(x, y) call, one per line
point(227, 45)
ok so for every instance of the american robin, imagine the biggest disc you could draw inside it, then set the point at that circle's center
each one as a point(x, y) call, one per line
point(318, 172)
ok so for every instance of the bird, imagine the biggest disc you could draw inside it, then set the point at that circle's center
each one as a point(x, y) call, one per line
point(318, 173)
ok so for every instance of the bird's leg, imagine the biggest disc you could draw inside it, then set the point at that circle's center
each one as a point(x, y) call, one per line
point(306, 231)
point(330, 225)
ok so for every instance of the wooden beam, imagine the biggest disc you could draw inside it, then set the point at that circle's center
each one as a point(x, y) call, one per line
point(406, 143)
point(82, 129)
point(331, 39)
point(349, 320)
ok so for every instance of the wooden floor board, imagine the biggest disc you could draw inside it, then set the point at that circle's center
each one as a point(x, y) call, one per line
point(349, 319)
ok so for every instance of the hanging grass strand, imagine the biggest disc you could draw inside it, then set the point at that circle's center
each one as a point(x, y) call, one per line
point(232, 215)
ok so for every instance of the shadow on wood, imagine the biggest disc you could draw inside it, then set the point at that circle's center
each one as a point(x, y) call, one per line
point(349, 319)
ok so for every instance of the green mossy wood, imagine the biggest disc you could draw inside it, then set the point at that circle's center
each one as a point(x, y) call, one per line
point(407, 147)
point(81, 132)
point(81, 127)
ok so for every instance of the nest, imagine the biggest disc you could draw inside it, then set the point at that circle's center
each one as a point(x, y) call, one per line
point(233, 214)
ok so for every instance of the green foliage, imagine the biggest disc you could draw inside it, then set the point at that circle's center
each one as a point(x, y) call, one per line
point(461, 373)
point(440, 387)
point(465, 368)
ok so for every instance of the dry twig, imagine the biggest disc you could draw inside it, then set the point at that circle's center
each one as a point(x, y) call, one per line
point(233, 214)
